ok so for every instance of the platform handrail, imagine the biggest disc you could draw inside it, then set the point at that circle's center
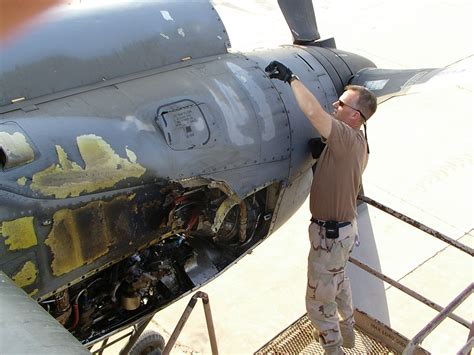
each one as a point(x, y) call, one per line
point(443, 312)
point(466, 349)
point(417, 224)
point(437, 320)
point(408, 291)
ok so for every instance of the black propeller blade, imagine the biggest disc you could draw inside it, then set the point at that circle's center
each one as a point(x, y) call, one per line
point(387, 83)
point(299, 15)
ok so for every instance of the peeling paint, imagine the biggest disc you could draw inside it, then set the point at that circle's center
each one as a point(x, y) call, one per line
point(131, 155)
point(19, 233)
point(34, 292)
point(26, 276)
point(16, 148)
point(164, 36)
point(21, 181)
point(181, 32)
point(81, 236)
point(166, 15)
point(103, 169)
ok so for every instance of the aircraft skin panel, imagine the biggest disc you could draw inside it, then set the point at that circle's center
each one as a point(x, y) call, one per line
point(95, 182)
point(238, 126)
point(74, 237)
point(90, 44)
point(26, 328)
point(313, 74)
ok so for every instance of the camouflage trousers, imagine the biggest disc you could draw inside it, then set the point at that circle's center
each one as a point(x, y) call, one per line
point(328, 291)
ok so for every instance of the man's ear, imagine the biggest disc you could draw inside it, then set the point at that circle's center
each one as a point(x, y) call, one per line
point(354, 119)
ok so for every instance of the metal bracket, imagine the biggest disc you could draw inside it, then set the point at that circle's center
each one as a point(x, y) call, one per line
point(184, 318)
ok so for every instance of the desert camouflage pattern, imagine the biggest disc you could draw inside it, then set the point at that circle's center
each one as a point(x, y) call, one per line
point(328, 291)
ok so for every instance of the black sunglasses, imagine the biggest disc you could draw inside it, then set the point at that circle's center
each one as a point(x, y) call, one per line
point(342, 104)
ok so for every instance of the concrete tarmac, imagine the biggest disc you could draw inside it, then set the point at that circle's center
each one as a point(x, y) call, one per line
point(420, 164)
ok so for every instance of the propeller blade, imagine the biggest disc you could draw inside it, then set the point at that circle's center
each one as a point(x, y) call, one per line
point(387, 83)
point(299, 15)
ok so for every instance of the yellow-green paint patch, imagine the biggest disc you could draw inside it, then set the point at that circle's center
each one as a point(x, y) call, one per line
point(17, 150)
point(26, 276)
point(21, 181)
point(103, 169)
point(131, 155)
point(81, 236)
point(34, 292)
point(19, 233)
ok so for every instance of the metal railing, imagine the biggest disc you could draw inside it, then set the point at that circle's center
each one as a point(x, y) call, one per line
point(443, 312)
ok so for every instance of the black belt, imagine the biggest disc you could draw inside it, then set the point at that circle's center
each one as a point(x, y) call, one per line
point(323, 223)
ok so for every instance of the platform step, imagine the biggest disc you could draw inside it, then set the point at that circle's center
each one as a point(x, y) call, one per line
point(372, 337)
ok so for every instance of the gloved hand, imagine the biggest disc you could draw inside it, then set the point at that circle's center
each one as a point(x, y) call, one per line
point(316, 146)
point(277, 70)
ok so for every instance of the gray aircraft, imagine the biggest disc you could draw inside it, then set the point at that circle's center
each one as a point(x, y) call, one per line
point(139, 158)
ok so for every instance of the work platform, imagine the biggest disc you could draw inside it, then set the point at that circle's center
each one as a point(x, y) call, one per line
point(372, 337)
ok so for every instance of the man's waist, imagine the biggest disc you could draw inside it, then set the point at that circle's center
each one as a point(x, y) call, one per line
point(324, 223)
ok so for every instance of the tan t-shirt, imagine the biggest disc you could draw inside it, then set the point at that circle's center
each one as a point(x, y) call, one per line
point(338, 174)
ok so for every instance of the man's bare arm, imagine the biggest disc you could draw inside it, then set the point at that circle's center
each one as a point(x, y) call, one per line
point(312, 109)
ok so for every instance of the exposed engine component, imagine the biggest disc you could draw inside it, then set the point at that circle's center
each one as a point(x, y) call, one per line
point(190, 253)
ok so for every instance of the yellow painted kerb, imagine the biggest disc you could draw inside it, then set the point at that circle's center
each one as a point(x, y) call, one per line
point(19, 233)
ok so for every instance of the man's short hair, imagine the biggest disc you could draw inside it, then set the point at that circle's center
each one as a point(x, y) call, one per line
point(367, 102)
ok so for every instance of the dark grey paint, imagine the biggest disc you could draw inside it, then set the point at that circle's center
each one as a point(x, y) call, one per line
point(82, 45)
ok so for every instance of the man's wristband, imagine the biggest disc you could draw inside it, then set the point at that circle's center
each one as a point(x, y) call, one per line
point(293, 77)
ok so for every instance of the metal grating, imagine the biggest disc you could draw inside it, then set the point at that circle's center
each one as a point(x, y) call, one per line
point(298, 339)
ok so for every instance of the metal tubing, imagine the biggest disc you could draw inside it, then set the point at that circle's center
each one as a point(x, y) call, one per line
point(437, 320)
point(136, 334)
point(210, 324)
point(466, 349)
point(408, 291)
point(243, 223)
point(103, 346)
point(182, 321)
point(418, 225)
point(106, 344)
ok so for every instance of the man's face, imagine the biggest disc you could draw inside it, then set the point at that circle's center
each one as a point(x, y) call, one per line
point(345, 109)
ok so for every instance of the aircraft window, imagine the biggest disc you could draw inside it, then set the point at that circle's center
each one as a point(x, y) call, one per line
point(184, 125)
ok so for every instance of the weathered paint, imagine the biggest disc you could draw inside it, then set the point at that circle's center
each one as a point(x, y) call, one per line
point(16, 148)
point(26, 276)
point(103, 169)
point(21, 181)
point(19, 233)
point(223, 209)
point(34, 292)
point(81, 236)
point(131, 155)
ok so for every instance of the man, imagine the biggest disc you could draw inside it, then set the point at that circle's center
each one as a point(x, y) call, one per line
point(333, 204)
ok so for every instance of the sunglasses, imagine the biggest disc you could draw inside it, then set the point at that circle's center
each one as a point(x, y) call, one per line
point(342, 104)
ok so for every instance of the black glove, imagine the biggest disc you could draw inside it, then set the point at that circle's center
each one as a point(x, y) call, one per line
point(316, 146)
point(276, 70)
